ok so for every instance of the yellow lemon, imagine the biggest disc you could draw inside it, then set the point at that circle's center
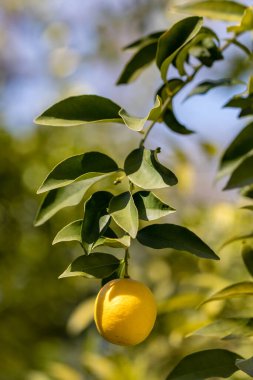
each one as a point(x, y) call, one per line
point(125, 312)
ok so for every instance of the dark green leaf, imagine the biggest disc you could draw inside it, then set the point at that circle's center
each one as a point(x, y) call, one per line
point(160, 236)
point(171, 121)
point(247, 192)
point(216, 9)
point(137, 123)
point(119, 273)
point(247, 256)
point(144, 170)
point(244, 103)
point(170, 43)
point(95, 218)
point(145, 40)
point(96, 265)
point(204, 364)
point(87, 165)
point(80, 110)
point(240, 289)
point(71, 232)
point(206, 86)
point(138, 62)
point(124, 213)
point(58, 199)
point(242, 144)
point(150, 207)
point(242, 175)
point(245, 365)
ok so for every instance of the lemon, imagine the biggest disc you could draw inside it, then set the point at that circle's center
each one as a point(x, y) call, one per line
point(125, 311)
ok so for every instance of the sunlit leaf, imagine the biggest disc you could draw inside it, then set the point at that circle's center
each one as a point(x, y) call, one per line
point(160, 236)
point(80, 110)
point(124, 213)
point(58, 199)
point(242, 175)
point(81, 316)
point(241, 145)
point(150, 207)
point(223, 328)
point(245, 365)
point(246, 22)
point(204, 364)
point(87, 165)
point(239, 289)
point(71, 232)
point(96, 265)
point(237, 238)
point(247, 256)
point(144, 170)
point(138, 62)
point(95, 214)
point(116, 242)
point(170, 43)
point(136, 123)
point(224, 10)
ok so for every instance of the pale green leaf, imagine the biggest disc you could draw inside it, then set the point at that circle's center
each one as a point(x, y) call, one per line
point(144, 170)
point(136, 123)
point(240, 289)
point(223, 328)
point(71, 232)
point(150, 207)
point(116, 242)
point(96, 265)
point(81, 316)
point(205, 364)
point(160, 236)
point(170, 43)
point(58, 199)
point(80, 110)
point(246, 22)
point(224, 10)
point(87, 165)
point(124, 213)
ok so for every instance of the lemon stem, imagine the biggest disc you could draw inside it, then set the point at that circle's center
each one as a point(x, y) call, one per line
point(127, 256)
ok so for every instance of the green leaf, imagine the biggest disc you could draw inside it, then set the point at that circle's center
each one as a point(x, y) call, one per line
point(237, 238)
point(138, 63)
point(224, 10)
point(241, 145)
point(81, 317)
point(144, 170)
point(150, 207)
point(96, 265)
point(247, 256)
point(242, 175)
point(96, 217)
point(145, 40)
point(87, 165)
point(80, 110)
point(173, 124)
point(124, 213)
point(246, 22)
point(117, 242)
point(170, 43)
point(119, 273)
point(160, 236)
point(244, 103)
point(58, 199)
point(239, 289)
point(71, 232)
point(245, 365)
point(204, 364)
point(204, 87)
point(136, 123)
point(243, 47)
point(223, 328)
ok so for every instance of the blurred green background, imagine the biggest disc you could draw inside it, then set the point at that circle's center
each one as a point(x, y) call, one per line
point(53, 49)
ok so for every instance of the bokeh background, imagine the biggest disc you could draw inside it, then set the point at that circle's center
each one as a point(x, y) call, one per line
point(53, 49)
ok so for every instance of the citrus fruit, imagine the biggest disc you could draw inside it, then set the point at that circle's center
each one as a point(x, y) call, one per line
point(125, 311)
